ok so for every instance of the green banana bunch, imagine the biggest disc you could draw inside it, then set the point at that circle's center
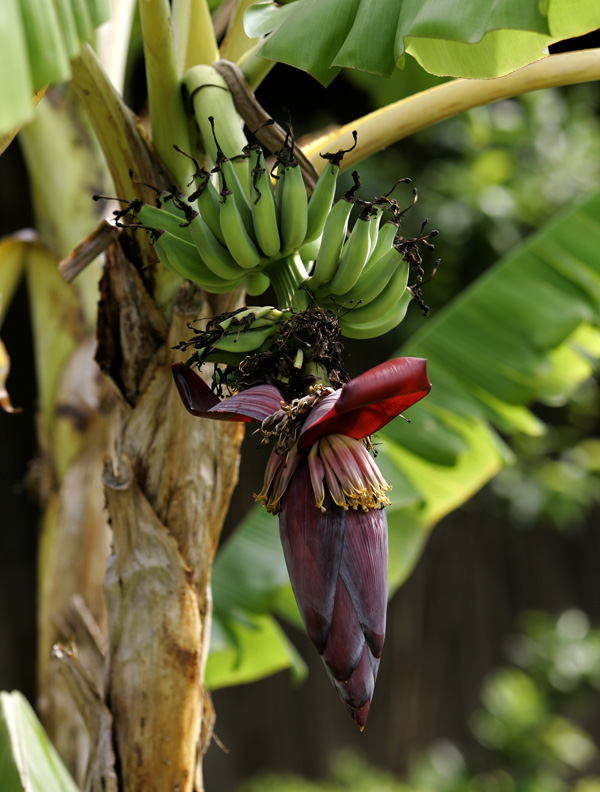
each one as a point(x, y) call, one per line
point(363, 275)
point(247, 331)
point(242, 225)
point(385, 322)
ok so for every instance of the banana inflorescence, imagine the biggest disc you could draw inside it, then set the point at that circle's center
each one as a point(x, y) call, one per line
point(245, 225)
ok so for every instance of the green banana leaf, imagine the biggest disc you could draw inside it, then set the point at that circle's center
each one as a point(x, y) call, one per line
point(37, 39)
point(447, 37)
point(28, 760)
point(245, 650)
point(525, 331)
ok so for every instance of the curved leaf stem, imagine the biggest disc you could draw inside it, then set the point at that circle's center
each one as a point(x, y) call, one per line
point(395, 121)
point(120, 138)
point(236, 43)
point(253, 67)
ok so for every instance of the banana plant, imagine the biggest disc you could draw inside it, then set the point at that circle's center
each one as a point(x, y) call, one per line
point(201, 219)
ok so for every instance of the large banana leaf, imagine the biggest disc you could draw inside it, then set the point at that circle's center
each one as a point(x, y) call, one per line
point(525, 331)
point(447, 37)
point(37, 39)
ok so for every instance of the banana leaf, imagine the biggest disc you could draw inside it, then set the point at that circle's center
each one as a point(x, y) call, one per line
point(525, 331)
point(37, 39)
point(28, 760)
point(447, 37)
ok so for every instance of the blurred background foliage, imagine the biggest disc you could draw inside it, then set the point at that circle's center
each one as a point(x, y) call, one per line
point(449, 714)
point(526, 725)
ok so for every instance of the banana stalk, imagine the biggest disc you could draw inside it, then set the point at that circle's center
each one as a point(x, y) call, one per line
point(398, 120)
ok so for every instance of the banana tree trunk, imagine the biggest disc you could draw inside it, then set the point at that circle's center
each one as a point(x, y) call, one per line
point(167, 489)
point(167, 485)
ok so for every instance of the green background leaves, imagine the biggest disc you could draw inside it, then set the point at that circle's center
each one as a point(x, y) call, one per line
point(478, 40)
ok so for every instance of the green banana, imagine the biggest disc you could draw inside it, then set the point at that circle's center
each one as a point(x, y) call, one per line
point(384, 243)
point(374, 227)
point(321, 200)
point(217, 258)
point(240, 244)
point(385, 300)
point(294, 209)
point(372, 281)
point(322, 196)
point(162, 220)
point(235, 357)
point(378, 327)
point(246, 341)
point(279, 180)
point(334, 235)
point(209, 206)
point(256, 312)
point(218, 356)
point(354, 256)
point(256, 283)
point(206, 199)
point(262, 204)
point(184, 259)
point(231, 184)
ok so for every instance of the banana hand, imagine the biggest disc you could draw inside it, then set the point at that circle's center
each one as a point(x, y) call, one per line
point(378, 327)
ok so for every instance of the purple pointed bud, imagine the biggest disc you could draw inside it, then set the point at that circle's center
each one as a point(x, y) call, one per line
point(312, 546)
point(337, 562)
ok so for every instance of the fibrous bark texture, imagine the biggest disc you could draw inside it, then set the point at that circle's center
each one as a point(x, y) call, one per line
point(167, 491)
point(167, 481)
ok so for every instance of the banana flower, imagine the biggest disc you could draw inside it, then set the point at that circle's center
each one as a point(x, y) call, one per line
point(331, 498)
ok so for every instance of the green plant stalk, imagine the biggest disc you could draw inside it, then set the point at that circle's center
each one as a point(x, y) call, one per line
point(211, 97)
point(236, 43)
point(286, 275)
point(193, 31)
point(254, 68)
point(167, 112)
point(391, 123)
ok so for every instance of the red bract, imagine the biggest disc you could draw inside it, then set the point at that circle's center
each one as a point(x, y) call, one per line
point(331, 500)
